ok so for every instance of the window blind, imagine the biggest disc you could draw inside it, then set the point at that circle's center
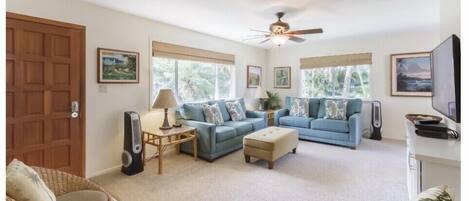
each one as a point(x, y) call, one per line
point(168, 50)
point(336, 60)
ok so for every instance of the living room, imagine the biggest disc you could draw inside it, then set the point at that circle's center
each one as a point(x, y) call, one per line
point(212, 51)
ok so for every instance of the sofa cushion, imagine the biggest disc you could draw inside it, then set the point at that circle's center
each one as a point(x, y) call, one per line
point(257, 123)
point(336, 109)
point(224, 133)
point(193, 112)
point(353, 106)
point(82, 195)
point(236, 111)
point(327, 135)
point(241, 127)
point(304, 122)
point(23, 183)
point(330, 125)
point(314, 104)
point(213, 114)
point(299, 107)
point(223, 110)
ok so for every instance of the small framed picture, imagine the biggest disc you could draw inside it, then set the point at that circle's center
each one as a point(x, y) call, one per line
point(118, 66)
point(254, 75)
point(411, 74)
point(282, 77)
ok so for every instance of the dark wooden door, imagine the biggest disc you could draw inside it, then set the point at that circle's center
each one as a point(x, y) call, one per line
point(44, 74)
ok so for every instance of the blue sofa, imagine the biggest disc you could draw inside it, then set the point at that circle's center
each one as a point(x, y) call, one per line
point(215, 141)
point(316, 128)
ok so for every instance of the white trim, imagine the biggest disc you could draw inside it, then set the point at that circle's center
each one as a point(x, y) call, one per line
point(104, 171)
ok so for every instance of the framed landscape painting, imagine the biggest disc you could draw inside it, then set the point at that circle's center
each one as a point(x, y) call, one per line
point(411, 74)
point(117, 66)
point(282, 77)
point(254, 75)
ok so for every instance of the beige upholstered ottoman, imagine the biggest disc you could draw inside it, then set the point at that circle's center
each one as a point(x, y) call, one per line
point(270, 144)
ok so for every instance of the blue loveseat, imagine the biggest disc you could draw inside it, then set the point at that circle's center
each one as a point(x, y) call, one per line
point(315, 128)
point(215, 141)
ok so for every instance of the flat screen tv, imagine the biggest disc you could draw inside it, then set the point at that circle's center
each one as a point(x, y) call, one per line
point(446, 78)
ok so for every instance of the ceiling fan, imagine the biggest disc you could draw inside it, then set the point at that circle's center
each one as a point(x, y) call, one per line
point(280, 32)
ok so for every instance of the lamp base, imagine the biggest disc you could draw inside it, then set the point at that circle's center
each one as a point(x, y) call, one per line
point(165, 125)
point(166, 128)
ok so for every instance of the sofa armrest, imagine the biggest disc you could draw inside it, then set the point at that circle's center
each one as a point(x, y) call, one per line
point(205, 133)
point(355, 126)
point(256, 114)
point(278, 114)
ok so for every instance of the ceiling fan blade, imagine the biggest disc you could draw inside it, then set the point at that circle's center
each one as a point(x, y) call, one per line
point(260, 31)
point(264, 41)
point(296, 39)
point(306, 31)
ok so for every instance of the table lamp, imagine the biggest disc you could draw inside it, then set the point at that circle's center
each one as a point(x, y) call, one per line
point(261, 94)
point(165, 100)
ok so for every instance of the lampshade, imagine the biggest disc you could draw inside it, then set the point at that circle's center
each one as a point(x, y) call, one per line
point(165, 99)
point(279, 39)
point(261, 93)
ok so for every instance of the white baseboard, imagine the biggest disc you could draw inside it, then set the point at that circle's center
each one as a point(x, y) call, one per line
point(105, 171)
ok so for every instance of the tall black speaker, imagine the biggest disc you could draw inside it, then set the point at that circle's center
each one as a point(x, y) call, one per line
point(132, 157)
point(376, 120)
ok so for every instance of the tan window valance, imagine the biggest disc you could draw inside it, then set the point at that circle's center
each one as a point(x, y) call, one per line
point(168, 50)
point(337, 60)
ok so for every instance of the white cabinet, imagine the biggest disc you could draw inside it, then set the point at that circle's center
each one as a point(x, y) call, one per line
point(432, 162)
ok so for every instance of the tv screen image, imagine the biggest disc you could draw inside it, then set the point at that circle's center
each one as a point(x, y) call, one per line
point(446, 72)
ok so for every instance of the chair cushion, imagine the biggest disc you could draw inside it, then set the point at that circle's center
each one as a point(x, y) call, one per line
point(23, 183)
point(213, 114)
point(241, 127)
point(438, 193)
point(82, 195)
point(236, 111)
point(303, 122)
point(193, 112)
point(224, 133)
point(223, 110)
point(330, 125)
point(257, 123)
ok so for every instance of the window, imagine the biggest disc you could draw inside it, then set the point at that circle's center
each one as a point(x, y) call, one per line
point(192, 80)
point(339, 81)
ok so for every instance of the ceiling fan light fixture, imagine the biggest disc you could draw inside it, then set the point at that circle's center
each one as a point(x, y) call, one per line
point(279, 39)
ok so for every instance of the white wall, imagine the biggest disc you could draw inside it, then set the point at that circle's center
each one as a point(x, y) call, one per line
point(450, 18)
point(381, 46)
point(110, 29)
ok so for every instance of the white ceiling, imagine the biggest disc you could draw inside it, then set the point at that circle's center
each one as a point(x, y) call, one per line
point(233, 19)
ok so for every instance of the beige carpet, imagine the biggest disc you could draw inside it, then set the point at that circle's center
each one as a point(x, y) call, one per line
point(318, 172)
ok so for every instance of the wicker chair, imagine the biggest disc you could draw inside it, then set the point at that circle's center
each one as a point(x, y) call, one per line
point(61, 183)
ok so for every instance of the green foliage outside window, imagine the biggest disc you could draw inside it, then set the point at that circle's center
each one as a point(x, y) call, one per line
point(191, 80)
point(341, 81)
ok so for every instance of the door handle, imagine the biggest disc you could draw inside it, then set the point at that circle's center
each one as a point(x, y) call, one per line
point(75, 109)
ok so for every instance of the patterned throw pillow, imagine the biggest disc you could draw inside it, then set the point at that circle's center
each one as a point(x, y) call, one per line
point(236, 111)
point(23, 183)
point(299, 107)
point(213, 114)
point(438, 193)
point(336, 109)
